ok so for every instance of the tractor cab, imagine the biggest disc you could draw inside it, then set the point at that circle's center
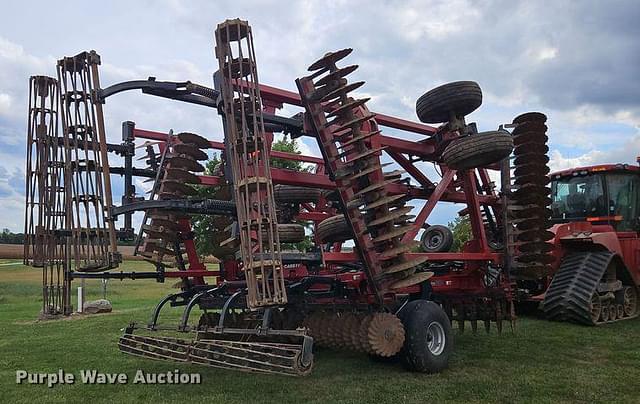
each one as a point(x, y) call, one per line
point(606, 194)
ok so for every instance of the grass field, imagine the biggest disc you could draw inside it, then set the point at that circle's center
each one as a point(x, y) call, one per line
point(541, 362)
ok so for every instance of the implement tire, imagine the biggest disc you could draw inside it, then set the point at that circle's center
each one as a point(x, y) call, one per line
point(478, 150)
point(436, 238)
point(334, 230)
point(460, 98)
point(291, 194)
point(428, 338)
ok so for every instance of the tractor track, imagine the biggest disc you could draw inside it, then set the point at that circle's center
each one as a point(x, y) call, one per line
point(571, 293)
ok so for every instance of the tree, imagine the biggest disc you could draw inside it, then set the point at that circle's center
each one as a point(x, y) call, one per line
point(209, 230)
point(461, 228)
point(290, 146)
point(8, 237)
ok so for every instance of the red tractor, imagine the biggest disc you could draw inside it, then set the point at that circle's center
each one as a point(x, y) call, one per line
point(595, 217)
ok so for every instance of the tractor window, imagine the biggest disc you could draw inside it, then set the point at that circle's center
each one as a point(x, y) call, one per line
point(578, 197)
point(624, 195)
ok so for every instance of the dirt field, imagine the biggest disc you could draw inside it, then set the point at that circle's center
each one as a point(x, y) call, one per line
point(15, 251)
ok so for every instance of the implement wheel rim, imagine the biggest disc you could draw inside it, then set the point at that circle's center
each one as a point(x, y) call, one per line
point(436, 338)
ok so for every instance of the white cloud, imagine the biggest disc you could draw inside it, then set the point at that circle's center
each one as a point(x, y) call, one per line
point(547, 53)
point(5, 103)
point(419, 20)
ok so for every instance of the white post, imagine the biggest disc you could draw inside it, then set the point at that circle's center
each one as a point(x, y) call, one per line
point(81, 297)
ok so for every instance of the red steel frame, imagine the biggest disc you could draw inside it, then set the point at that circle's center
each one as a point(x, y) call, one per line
point(457, 187)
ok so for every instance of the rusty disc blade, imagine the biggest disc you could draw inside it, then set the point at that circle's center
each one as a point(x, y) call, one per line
point(355, 122)
point(329, 59)
point(535, 246)
point(529, 127)
point(190, 150)
point(539, 180)
point(168, 224)
point(335, 75)
point(535, 257)
point(531, 211)
point(403, 266)
point(365, 170)
point(384, 201)
point(201, 142)
point(527, 137)
point(530, 117)
point(347, 106)
point(182, 175)
point(533, 199)
point(411, 280)
point(531, 149)
point(342, 91)
point(374, 187)
point(362, 155)
point(390, 216)
point(537, 159)
point(385, 334)
point(531, 223)
point(358, 138)
point(185, 163)
point(527, 189)
point(536, 234)
point(394, 252)
point(398, 231)
point(532, 168)
point(177, 187)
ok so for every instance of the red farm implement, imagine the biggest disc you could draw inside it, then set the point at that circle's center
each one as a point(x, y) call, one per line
point(366, 284)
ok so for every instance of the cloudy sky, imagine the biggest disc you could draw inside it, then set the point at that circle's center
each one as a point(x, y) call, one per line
point(577, 61)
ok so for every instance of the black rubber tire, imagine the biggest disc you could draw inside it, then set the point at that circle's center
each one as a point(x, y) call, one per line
point(415, 355)
point(444, 239)
point(334, 230)
point(478, 150)
point(292, 194)
point(290, 232)
point(459, 97)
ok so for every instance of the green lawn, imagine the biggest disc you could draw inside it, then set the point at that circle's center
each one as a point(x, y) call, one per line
point(540, 362)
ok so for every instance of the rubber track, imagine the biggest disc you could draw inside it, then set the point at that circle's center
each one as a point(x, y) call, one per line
point(569, 295)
